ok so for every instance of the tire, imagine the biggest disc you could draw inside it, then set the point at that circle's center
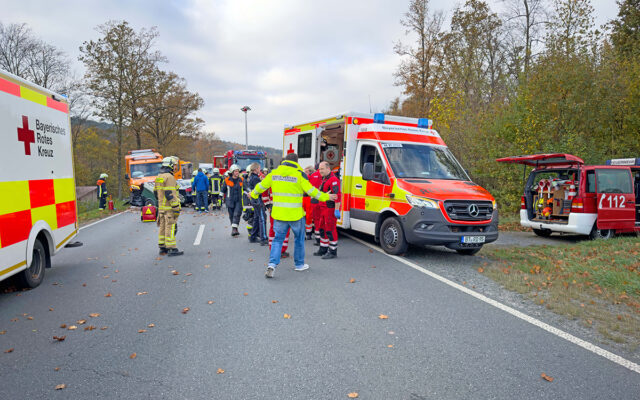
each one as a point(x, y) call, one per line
point(392, 238)
point(33, 276)
point(468, 252)
point(600, 233)
point(149, 202)
point(543, 232)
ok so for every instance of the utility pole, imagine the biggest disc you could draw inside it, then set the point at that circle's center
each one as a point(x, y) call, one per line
point(246, 135)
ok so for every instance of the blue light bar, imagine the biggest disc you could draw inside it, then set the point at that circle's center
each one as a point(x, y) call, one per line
point(424, 123)
point(378, 118)
point(624, 161)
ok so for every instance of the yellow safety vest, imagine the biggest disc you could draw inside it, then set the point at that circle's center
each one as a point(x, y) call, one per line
point(288, 185)
point(166, 183)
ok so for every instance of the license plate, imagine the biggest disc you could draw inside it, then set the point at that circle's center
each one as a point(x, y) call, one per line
point(473, 239)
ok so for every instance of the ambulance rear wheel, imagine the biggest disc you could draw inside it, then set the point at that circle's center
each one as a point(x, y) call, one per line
point(33, 276)
point(600, 233)
point(392, 238)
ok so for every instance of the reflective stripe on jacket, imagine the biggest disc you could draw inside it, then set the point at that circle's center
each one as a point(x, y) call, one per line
point(166, 189)
point(102, 188)
point(288, 184)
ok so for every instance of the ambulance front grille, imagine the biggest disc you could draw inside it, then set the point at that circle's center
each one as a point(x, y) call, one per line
point(468, 210)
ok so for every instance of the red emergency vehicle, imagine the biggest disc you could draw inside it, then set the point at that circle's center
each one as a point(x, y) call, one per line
point(561, 194)
point(243, 158)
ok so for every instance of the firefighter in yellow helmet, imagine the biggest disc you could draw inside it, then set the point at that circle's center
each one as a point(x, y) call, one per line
point(166, 190)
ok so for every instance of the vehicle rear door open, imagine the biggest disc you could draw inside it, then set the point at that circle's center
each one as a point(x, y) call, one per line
point(615, 198)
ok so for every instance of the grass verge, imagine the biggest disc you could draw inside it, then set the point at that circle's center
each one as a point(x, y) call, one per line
point(88, 211)
point(511, 222)
point(595, 282)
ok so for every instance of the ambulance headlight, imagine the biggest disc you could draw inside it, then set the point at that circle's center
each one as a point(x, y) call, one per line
point(495, 204)
point(422, 202)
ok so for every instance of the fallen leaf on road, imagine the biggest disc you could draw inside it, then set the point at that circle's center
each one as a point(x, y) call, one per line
point(103, 328)
point(481, 270)
point(116, 271)
point(210, 302)
point(30, 318)
point(73, 328)
point(108, 295)
point(50, 309)
point(141, 293)
point(151, 325)
point(132, 356)
point(158, 258)
point(373, 266)
point(9, 351)
point(89, 328)
point(61, 386)
point(220, 371)
point(105, 277)
point(3, 332)
point(246, 294)
point(175, 272)
point(14, 319)
point(390, 346)
point(287, 316)
point(184, 281)
point(251, 259)
point(114, 280)
point(354, 394)
point(185, 310)
point(370, 251)
point(188, 274)
point(56, 369)
point(546, 377)
point(142, 330)
point(352, 280)
point(81, 321)
point(207, 266)
point(382, 316)
point(59, 338)
point(84, 285)
point(274, 301)
point(63, 326)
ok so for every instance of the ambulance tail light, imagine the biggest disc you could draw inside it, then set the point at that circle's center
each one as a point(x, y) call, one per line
point(378, 118)
point(577, 205)
point(523, 203)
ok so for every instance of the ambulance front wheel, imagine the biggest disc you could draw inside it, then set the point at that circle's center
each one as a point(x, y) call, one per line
point(392, 238)
point(33, 276)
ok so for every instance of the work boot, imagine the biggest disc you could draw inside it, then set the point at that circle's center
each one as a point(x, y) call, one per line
point(269, 273)
point(264, 242)
point(163, 251)
point(234, 231)
point(308, 236)
point(321, 251)
point(284, 255)
point(330, 254)
point(175, 252)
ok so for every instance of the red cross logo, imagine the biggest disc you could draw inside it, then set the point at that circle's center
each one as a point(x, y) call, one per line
point(291, 150)
point(26, 135)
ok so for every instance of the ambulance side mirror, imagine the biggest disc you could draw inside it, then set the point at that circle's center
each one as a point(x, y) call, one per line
point(367, 172)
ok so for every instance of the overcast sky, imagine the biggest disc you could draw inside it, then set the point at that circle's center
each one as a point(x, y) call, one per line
point(291, 61)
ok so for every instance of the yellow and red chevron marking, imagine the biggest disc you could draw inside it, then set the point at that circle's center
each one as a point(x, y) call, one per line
point(49, 200)
point(31, 95)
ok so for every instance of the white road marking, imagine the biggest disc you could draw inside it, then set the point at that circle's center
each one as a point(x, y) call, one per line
point(555, 331)
point(199, 235)
point(102, 220)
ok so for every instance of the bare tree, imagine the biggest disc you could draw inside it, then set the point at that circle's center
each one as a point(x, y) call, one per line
point(16, 43)
point(527, 18)
point(418, 70)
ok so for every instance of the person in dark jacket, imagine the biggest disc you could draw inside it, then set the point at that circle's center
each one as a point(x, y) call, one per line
point(259, 231)
point(201, 187)
point(102, 190)
point(234, 190)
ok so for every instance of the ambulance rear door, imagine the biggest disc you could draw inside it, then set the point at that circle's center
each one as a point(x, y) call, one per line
point(615, 198)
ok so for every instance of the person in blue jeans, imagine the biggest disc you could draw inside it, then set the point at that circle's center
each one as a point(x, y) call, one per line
point(201, 187)
point(288, 185)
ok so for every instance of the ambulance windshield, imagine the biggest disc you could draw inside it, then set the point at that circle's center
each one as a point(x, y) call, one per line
point(243, 163)
point(146, 169)
point(422, 161)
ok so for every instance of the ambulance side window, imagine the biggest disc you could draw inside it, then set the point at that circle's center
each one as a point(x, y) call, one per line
point(304, 145)
point(591, 182)
point(369, 154)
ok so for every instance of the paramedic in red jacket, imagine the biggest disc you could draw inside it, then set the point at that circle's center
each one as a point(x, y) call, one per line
point(315, 179)
point(330, 212)
point(306, 205)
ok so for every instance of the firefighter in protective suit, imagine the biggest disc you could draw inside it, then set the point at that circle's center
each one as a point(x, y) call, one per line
point(102, 191)
point(215, 188)
point(166, 190)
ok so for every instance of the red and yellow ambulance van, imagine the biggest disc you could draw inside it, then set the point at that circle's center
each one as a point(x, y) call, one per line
point(400, 183)
point(563, 195)
point(37, 186)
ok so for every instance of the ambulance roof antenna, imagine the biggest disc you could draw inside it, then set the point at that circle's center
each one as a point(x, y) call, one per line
point(370, 105)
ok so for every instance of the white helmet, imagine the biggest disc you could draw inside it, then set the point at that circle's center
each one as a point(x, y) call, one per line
point(169, 161)
point(216, 171)
point(104, 176)
point(234, 167)
point(265, 169)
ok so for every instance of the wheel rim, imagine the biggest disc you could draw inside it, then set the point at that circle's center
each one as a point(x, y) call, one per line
point(603, 233)
point(390, 236)
point(36, 263)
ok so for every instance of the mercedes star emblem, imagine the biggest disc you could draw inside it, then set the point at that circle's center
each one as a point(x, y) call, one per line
point(473, 210)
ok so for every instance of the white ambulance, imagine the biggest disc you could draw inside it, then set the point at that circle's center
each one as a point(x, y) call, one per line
point(37, 187)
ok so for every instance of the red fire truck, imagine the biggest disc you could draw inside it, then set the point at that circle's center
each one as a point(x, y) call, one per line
point(562, 194)
point(243, 158)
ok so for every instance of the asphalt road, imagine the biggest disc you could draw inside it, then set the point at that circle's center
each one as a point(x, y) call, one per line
point(437, 342)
